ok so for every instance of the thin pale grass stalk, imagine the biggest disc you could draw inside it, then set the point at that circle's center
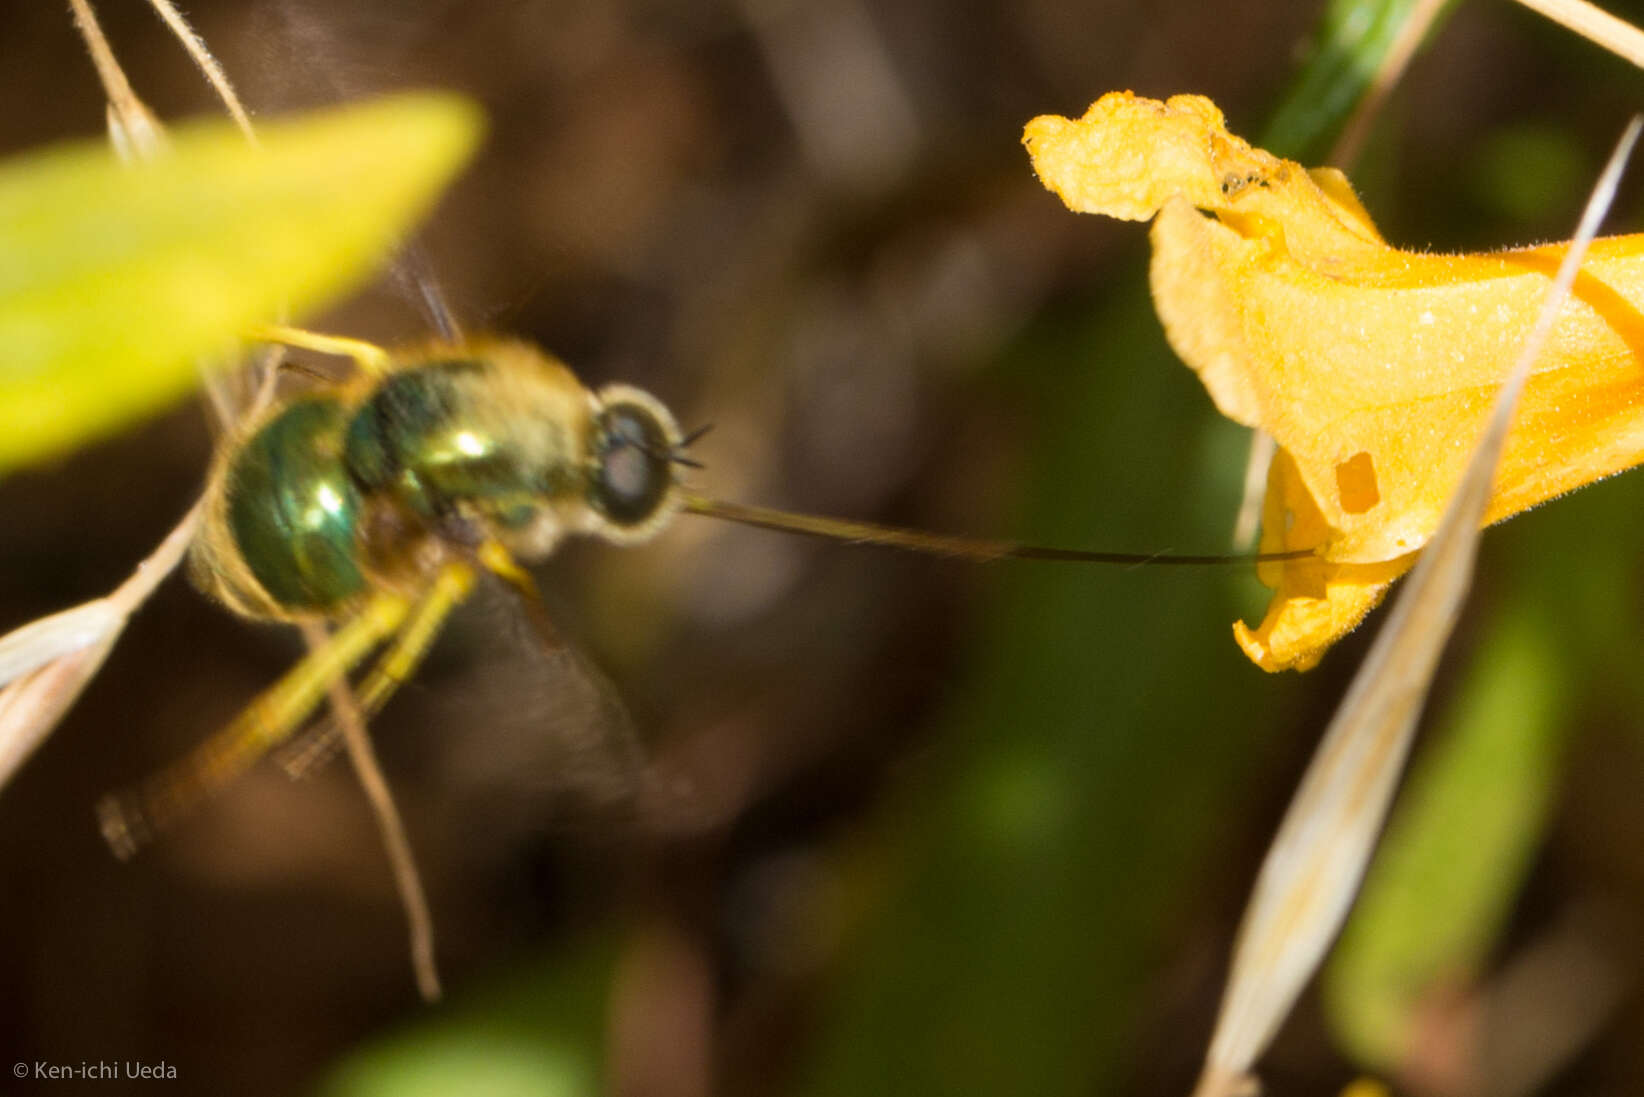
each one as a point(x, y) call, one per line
point(407, 881)
point(1611, 32)
point(25, 650)
point(137, 134)
point(34, 704)
point(1594, 24)
point(1257, 462)
point(208, 65)
point(45, 664)
point(133, 130)
point(1317, 860)
point(1388, 74)
point(48, 662)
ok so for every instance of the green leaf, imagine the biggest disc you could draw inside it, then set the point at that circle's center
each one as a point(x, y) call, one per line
point(1457, 848)
point(1353, 38)
point(537, 1031)
point(116, 278)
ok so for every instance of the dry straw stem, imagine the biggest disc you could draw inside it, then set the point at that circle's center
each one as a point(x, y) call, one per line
point(208, 65)
point(1315, 864)
point(45, 664)
point(133, 129)
point(362, 755)
point(1411, 33)
point(1595, 24)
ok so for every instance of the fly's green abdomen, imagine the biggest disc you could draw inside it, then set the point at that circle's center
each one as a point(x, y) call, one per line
point(293, 510)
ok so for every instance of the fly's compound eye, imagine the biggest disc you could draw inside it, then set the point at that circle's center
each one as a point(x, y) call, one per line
point(633, 460)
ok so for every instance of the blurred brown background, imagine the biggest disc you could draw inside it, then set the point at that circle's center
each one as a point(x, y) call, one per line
point(888, 824)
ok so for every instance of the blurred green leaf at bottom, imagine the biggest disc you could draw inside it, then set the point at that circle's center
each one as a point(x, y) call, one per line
point(538, 1032)
point(115, 277)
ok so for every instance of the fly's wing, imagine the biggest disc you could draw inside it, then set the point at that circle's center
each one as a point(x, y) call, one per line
point(535, 731)
point(311, 56)
point(526, 729)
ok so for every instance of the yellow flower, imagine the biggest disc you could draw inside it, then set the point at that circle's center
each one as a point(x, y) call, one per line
point(1373, 368)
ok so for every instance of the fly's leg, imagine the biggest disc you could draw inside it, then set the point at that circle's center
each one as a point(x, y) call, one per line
point(369, 357)
point(130, 819)
point(451, 586)
point(497, 560)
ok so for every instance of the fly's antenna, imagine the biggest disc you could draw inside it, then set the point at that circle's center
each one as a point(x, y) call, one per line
point(678, 456)
point(675, 454)
point(973, 549)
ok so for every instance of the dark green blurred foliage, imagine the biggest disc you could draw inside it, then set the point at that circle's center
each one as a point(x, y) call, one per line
point(1076, 787)
point(1340, 62)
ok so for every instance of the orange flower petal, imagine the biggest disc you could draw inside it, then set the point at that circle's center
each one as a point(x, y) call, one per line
point(1314, 599)
point(1373, 368)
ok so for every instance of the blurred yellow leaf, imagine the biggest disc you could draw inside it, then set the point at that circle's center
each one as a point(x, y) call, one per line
point(1373, 368)
point(115, 278)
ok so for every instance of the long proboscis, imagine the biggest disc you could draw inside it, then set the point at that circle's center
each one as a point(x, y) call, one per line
point(978, 550)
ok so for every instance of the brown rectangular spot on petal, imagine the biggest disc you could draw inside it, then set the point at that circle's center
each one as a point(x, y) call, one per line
point(1356, 483)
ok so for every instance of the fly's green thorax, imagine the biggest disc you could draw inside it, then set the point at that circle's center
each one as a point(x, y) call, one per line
point(294, 510)
point(468, 438)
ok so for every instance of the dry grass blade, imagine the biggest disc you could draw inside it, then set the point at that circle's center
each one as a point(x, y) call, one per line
point(27, 649)
point(1317, 859)
point(49, 661)
point(207, 64)
point(33, 703)
point(1411, 34)
point(407, 881)
point(1595, 24)
point(1256, 465)
point(133, 129)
